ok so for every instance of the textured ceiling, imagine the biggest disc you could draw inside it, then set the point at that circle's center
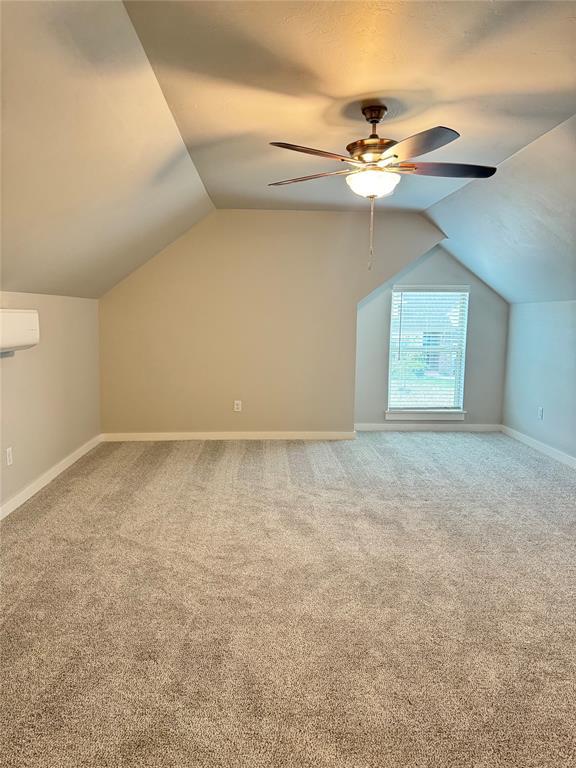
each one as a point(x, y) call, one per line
point(237, 75)
point(518, 230)
point(97, 178)
point(85, 139)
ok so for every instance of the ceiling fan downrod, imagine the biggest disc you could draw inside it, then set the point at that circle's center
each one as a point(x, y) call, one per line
point(374, 114)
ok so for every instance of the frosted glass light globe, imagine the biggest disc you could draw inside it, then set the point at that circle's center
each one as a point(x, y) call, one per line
point(373, 183)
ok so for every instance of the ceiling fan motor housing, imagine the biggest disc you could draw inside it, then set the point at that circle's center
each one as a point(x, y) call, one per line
point(369, 150)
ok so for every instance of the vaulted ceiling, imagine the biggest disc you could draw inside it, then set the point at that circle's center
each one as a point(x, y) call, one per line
point(238, 75)
point(123, 124)
point(86, 134)
point(518, 230)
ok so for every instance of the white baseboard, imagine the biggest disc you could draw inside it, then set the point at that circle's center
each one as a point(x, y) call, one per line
point(276, 435)
point(36, 485)
point(554, 453)
point(427, 426)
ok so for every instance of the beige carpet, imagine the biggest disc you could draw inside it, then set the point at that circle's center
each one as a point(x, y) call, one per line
point(405, 600)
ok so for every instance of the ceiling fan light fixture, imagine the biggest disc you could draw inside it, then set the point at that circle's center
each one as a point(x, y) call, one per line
point(380, 162)
point(373, 182)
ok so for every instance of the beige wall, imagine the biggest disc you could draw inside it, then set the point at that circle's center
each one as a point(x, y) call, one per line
point(251, 305)
point(541, 372)
point(50, 399)
point(485, 349)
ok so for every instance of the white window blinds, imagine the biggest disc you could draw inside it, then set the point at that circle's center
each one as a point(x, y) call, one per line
point(427, 349)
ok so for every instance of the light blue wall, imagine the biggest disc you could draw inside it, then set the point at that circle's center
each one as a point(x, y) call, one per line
point(541, 372)
point(485, 349)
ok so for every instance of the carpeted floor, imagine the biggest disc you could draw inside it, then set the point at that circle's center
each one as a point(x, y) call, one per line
point(401, 601)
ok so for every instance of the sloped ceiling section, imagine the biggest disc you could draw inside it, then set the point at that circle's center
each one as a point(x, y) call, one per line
point(86, 137)
point(517, 230)
point(238, 75)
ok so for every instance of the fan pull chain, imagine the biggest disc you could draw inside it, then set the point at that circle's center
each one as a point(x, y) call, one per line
point(371, 250)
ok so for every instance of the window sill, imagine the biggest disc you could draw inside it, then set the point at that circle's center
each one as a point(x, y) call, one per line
point(425, 415)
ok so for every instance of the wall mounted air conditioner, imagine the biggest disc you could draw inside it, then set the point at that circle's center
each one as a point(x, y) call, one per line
point(19, 329)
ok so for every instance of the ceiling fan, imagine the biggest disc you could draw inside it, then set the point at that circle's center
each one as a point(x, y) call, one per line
point(376, 165)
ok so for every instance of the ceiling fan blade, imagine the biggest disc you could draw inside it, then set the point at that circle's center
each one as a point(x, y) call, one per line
point(423, 142)
point(313, 176)
point(319, 152)
point(452, 170)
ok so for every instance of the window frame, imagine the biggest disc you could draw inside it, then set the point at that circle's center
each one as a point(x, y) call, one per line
point(431, 413)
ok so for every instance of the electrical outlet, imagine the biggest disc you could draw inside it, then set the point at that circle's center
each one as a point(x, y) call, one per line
point(9, 457)
point(540, 413)
point(237, 405)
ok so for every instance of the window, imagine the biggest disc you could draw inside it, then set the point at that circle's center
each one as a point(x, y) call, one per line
point(427, 349)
